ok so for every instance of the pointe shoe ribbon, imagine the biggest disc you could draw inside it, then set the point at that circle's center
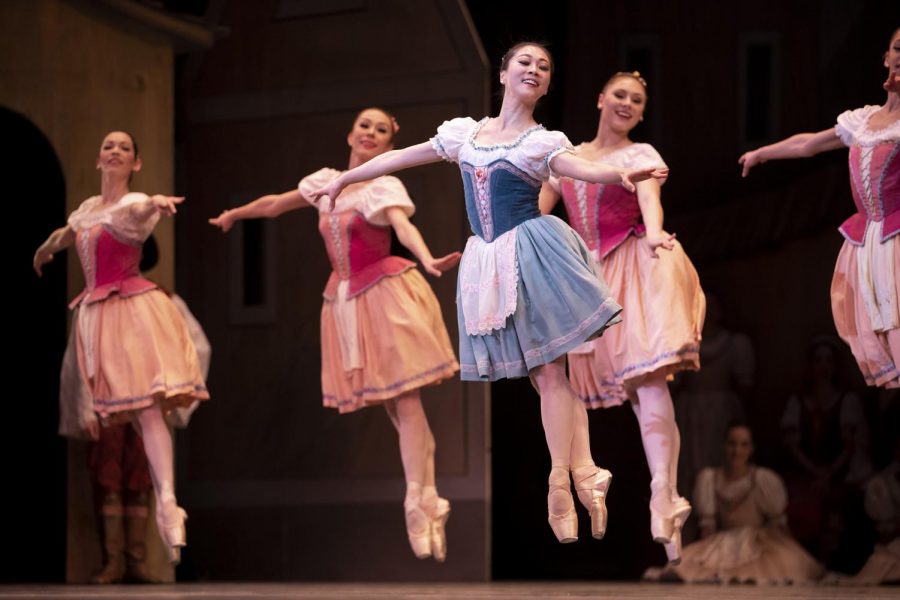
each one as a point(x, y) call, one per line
point(591, 485)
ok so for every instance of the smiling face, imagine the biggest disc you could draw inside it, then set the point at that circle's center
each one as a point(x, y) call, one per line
point(738, 447)
point(118, 155)
point(525, 72)
point(622, 103)
point(372, 134)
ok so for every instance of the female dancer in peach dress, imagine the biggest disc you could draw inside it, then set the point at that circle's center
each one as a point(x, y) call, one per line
point(383, 337)
point(134, 350)
point(652, 278)
point(865, 290)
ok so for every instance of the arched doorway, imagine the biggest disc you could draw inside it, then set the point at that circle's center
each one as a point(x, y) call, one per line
point(33, 494)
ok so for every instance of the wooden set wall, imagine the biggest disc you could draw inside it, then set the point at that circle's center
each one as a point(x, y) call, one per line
point(279, 487)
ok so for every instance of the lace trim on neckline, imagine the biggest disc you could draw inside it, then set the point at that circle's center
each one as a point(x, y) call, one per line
point(509, 146)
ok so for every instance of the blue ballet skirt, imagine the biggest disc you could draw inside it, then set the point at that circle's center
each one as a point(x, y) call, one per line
point(562, 303)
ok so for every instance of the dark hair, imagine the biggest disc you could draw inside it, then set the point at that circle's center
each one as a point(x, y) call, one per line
point(504, 62)
point(134, 143)
point(825, 340)
point(734, 424)
point(395, 126)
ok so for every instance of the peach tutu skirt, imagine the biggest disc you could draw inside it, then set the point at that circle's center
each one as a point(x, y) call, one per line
point(876, 352)
point(136, 351)
point(401, 339)
point(662, 317)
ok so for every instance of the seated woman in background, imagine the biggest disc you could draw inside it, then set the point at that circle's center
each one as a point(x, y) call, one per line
point(883, 506)
point(744, 535)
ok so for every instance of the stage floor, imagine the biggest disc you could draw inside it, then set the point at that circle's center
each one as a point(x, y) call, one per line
point(467, 591)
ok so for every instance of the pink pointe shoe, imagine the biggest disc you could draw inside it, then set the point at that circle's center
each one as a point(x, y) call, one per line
point(679, 518)
point(565, 524)
point(591, 485)
point(170, 520)
point(438, 530)
point(418, 528)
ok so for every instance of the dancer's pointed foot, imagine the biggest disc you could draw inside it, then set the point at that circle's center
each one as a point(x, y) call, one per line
point(561, 507)
point(438, 530)
point(591, 485)
point(679, 518)
point(170, 520)
point(418, 528)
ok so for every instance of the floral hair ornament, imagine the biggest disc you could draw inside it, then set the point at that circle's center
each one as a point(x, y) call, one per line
point(633, 74)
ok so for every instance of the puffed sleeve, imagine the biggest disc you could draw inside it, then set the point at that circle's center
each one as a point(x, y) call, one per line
point(315, 181)
point(381, 194)
point(849, 122)
point(770, 495)
point(541, 147)
point(78, 217)
point(705, 497)
point(450, 137)
point(644, 156)
point(133, 225)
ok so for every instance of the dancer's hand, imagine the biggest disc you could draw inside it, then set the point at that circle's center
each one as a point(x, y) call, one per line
point(748, 160)
point(329, 193)
point(632, 176)
point(166, 205)
point(225, 221)
point(41, 258)
point(437, 266)
point(663, 239)
point(893, 82)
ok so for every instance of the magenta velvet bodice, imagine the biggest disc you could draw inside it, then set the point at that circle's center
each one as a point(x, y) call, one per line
point(359, 252)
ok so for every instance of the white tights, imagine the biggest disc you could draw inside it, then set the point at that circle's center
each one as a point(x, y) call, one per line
point(158, 448)
point(565, 426)
point(417, 448)
point(659, 433)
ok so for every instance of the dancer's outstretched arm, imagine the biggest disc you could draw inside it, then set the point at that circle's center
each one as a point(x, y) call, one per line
point(409, 236)
point(389, 162)
point(569, 165)
point(167, 206)
point(267, 207)
point(59, 240)
point(801, 145)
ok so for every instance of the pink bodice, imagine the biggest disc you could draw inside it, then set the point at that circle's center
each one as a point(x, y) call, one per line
point(603, 215)
point(875, 183)
point(110, 266)
point(359, 252)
